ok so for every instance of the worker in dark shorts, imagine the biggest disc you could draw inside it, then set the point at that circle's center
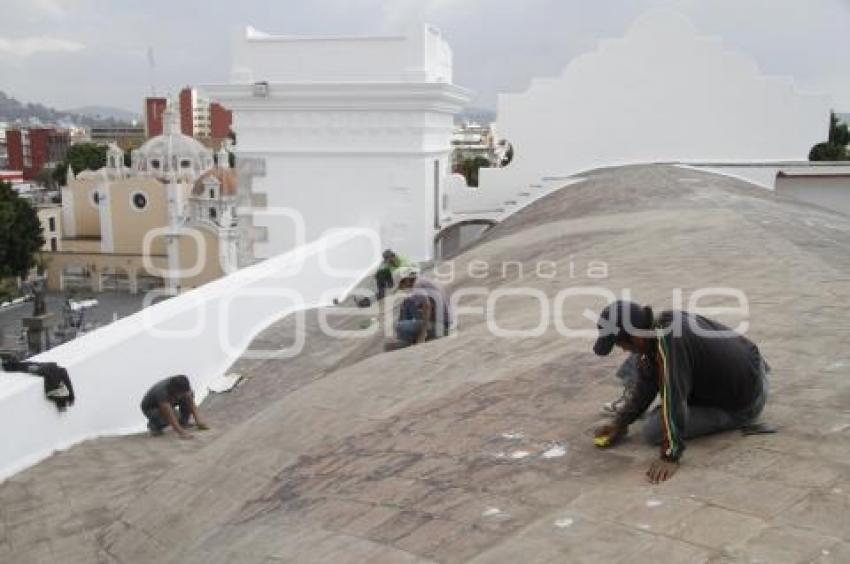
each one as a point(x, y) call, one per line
point(163, 398)
point(707, 377)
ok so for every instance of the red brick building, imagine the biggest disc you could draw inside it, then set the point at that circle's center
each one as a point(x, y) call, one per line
point(30, 150)
point(220, 121)
point(153, 116)
point(189, 107)
point(208, 122)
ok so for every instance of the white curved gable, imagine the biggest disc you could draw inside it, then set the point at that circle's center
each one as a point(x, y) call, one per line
point(661, 93)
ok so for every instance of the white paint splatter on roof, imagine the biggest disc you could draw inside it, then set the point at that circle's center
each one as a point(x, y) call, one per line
point(556, 451)
point(564, 522)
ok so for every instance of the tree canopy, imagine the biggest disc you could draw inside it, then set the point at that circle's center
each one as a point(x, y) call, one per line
point(469, 169)
point(835, 148)
point(20, 233)
point(80, 157)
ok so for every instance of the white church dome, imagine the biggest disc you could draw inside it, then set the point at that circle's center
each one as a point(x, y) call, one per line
point(172, 152)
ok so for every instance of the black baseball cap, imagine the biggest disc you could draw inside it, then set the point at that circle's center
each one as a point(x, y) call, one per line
point(615, 321)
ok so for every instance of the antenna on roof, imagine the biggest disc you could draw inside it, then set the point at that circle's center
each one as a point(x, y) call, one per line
point(152, 66)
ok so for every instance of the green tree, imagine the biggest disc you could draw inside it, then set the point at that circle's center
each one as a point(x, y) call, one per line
point(835, 148)
point(47, 178)
point(20, 233)
point(838, 132)
point(80, 157)
point(827, 152)
point(469, 169)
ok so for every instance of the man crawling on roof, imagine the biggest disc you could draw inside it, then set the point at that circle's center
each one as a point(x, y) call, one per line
point(424, 313)
point(707, 377)
point(160, 402)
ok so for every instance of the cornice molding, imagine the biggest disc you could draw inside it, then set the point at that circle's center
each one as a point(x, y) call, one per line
point(351, 96)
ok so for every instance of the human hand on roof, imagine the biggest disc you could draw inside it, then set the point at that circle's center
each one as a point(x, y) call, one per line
point(609, 434)
point(661, 470)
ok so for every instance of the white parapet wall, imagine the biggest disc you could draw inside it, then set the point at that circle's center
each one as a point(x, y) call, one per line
point(464, 203)
point(199, 333)
point(827, 187)
point(661, 93)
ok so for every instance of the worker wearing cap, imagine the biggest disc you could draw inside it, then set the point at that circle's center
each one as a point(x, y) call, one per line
point(708, 378)
point(424, 313)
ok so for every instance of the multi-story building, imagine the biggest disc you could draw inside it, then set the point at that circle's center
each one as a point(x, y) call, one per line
point(154, 106)
point(208, 122)
point(474, 140)
point(3, 152)
point(30, 150)
point(126, 137)
point(220, 121)
point(11, 176)
point(50, 216)
point(194, 113)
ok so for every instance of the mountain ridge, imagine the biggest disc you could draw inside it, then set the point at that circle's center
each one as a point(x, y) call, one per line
point(16, 112)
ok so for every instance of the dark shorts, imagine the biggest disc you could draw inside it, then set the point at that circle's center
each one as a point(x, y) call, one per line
point(156, 421)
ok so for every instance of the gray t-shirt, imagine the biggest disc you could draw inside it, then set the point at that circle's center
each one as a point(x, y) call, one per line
point(425, 287)
point(157, 394)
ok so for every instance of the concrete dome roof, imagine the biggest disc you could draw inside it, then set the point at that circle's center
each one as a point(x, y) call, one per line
point(350, 461)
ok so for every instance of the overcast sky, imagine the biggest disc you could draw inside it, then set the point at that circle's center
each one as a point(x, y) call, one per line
point(70, 53)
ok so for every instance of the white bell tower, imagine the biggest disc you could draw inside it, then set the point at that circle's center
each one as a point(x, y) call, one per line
point(347, 132)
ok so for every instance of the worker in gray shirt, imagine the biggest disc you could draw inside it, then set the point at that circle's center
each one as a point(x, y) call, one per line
point(163, 398)
point(424, 313)
point(707, 377)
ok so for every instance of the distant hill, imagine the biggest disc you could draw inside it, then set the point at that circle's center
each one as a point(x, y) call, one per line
point(106, 112)
point(479, 115)
point(16, 112)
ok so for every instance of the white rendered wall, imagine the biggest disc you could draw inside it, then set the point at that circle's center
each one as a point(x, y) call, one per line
point(419, 56)
point(831, 192)
point(351, 190)
point(465, 202)
point(766, 174)
point(69, 225)
point(348, 131)
point(661, 93)
point(463, 199)
point(104, 207)
point(199, 333)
